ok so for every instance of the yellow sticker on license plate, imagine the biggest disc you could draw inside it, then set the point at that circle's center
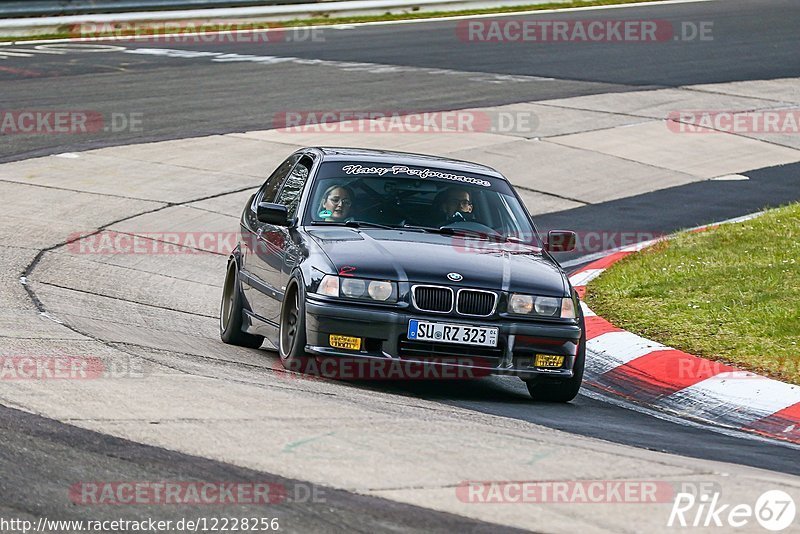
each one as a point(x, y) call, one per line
point(549, 360)
point(345, 342)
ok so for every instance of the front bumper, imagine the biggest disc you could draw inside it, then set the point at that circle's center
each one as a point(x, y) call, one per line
point(386, 351)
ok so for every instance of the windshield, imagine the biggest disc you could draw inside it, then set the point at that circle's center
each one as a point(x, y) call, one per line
point(400, 196)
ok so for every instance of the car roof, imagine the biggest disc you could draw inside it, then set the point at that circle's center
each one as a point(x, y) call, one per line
point(403, 158)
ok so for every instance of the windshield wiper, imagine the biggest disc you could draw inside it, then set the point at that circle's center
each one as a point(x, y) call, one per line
point(353, 224)
point(421, 228)
point(520, 241)
point(446, 230)
point(367, 224)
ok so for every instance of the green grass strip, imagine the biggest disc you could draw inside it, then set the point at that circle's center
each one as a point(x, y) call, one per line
point(730, 294)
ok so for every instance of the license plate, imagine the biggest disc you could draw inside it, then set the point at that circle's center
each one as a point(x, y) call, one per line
point(345, 342)
point(549, 360)
point(484, 336)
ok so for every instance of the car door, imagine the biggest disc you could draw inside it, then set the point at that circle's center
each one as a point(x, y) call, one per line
point(275, 245)
point(259, 294)
point(290, 196)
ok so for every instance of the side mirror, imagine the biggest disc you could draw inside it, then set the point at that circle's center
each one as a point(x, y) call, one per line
point(560, 241)
point(270, 213)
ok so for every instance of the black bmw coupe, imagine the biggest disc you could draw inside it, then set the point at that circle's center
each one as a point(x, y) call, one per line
point(377, 264)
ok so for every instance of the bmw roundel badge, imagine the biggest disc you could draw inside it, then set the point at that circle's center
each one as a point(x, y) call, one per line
point(455, 277)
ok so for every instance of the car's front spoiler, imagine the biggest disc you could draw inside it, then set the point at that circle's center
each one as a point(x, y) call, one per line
point(390, 325)
point(366, 366)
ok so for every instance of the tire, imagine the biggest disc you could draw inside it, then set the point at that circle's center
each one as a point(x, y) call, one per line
point(548, 389)
point(292, 335)
point(230, 312)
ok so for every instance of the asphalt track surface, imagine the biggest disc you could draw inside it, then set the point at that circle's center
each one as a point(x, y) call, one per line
point(39, 455)
point(194, 97)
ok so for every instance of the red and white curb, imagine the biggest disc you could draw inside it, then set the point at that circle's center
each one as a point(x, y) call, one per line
point(669, 380)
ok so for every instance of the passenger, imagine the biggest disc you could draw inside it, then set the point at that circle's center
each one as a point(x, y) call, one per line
point(336, 203)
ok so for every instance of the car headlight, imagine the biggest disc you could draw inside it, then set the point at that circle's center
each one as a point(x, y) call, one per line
point(379, 290)
point(521, 304)
point(353, 287)
point(358, 288)
point(329, 286)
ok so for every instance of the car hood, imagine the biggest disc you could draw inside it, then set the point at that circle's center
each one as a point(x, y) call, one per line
point(429, 258)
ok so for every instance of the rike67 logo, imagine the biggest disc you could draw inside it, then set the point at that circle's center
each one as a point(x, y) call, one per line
point(774, 510)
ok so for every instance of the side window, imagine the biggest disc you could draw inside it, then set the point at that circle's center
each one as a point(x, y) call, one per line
point(292, 188)
point(270, 188)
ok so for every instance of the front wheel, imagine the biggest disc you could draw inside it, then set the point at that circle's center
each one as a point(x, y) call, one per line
point(549, 389)
point(292, 337)
point(230, 312)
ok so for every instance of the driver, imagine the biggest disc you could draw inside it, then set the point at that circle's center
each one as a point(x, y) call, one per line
point(336, 203)
point(454, 204)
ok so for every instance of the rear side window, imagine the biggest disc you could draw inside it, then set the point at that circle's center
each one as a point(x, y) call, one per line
point(269, 190)
point(292, 189)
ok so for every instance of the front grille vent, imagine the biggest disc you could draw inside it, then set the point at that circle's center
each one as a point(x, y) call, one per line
point(433, 299)
point(473, 302)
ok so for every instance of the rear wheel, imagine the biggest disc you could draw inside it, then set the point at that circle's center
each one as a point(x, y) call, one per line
point(230, 313)
point(550, 389)
point(292, 337)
